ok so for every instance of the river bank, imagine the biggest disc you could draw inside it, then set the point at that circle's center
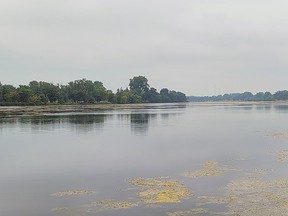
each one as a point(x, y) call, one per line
point(9, 111)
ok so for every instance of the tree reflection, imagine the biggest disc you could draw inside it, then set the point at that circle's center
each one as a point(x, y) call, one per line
point(140, 122)
point(83, 122)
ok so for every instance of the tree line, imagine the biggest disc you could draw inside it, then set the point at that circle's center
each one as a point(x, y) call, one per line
point(85, 91)
point(246, 96)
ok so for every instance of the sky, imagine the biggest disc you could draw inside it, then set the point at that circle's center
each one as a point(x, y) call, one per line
point(199, 47)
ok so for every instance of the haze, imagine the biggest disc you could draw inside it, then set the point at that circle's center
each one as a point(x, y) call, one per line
point(200, 47)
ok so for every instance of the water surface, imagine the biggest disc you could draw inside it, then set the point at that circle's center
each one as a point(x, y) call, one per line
point(103, 151)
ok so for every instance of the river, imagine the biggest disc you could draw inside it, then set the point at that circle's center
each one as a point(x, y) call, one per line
point(162, 159)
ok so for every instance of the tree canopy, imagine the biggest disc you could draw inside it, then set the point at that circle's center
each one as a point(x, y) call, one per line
point(246, 96)
point(85, 91)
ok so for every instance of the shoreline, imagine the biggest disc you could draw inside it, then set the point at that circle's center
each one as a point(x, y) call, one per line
point(11, 111)
point(241, 102)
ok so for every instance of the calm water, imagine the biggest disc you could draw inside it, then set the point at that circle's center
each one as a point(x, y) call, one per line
point(102, 151)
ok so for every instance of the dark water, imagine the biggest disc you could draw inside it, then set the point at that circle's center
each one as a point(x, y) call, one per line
point(42, 155)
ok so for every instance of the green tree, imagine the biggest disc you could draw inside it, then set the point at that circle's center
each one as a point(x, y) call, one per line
point(24, 93)
point(164, 93)
point(100, 92)
point(153, 96)
point(86, 91)
point(139, 85)
point(127, 96)
point(9, 93)
point(268, 96)
point(281, 95)
point(1, 94)
point(51, 91)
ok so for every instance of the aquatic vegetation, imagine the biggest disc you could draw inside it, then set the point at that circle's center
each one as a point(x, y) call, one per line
point(190, 212)
point(281, 183)
point(95, 207)
point(209, 169)
point(164, 195)
point(242, 186)
point(73, 193)
point(274, 134)
point(160, 190)
point(155, 182)
point(58, 209)
point(279, 135)
point(259, 171)
point(111, 204)
point(210, 164)
point(282, 156)
point(202, 173)
point(252, 197)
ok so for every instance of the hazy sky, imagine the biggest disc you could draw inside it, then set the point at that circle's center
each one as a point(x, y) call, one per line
point(200, 47)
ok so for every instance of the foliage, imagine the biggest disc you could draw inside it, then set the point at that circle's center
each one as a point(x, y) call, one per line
point(85, 91)
point(139, 85)
point(246, 96)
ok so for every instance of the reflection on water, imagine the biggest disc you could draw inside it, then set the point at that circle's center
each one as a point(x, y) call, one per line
point(83, 122)
point(250, 107)
point(139, 122)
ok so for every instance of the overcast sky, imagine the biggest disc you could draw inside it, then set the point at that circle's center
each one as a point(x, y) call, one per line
point(200, 47)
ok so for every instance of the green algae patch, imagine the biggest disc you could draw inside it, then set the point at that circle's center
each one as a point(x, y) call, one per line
point(282, 156)
point(246, 186)
point(164, 195)
point(155, 182)
point(210, 164)
point(279, 135)
point(160, 190)
point(111, 205)
point(209, 168)
point(259, 171)
point(73, 193)
point(275, 134)
point(59, 209)
point(202, 173)
point(195, 211)
point(95, 207)
point(251, 197)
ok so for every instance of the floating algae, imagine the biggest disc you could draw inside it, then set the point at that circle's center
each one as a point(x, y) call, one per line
point(160, 190)
point(68, 211)
point(209, 169)
point(259, 171)
point(164, 195)
point(190, 212)
point(111, 204)
point(202, 173)
point(153, 192)
point(282, 156)
point(210, 164)
point(252, 197)
point(246, 186)
point(59, 209)
point(274, 134)
point(95, 207)
point(281, 183)
point(279, 135)
point(155, 182)
point(73, 193)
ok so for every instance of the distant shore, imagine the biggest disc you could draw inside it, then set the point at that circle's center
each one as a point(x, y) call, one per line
point(240, 102)
point(10, 111)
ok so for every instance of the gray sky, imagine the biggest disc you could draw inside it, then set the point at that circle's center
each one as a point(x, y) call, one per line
point(200, 47)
